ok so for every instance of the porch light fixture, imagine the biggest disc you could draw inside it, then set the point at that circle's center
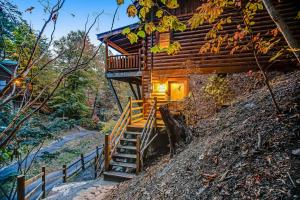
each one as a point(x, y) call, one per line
point(162, 87)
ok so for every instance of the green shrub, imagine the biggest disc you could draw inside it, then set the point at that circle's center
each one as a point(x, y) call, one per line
point(108, 126)
point(218, 88)
point(90, 124)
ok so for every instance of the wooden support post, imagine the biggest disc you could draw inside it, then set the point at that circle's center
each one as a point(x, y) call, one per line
point(65, 173)
point(144, 107)
point(138, 89)
point(44, 182)
point(133, 91)
point(138, 154)
point(139, 59)
point(107, 152)
point(82, 161)
point(21, 187)
point(115, 95)
point(130, 110)
point(155, 114)
point(106, 55)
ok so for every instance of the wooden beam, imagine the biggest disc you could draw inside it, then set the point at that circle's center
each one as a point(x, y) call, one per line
point(116, 47)
point(106, 55)
point(133, 91)
point(111, 85)
point(138, 90)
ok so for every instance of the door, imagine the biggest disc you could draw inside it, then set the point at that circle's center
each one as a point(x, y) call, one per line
point(177, 91)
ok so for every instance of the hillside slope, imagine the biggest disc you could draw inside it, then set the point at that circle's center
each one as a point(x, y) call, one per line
point(224, 161)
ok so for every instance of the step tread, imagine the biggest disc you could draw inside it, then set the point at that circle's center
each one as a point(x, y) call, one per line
point(122, 164)
point(124, 155)
point(128, 140)
point(119, 174)
point(126, 147)
point(133, 133)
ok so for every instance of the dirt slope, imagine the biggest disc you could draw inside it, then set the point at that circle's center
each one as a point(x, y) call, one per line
point(224, 161)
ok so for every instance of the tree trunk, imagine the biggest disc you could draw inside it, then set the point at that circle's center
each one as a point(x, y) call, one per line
point(176, 132)
point(284, 29)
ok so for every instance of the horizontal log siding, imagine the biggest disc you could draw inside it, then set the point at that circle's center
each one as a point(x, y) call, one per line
point(192, 40)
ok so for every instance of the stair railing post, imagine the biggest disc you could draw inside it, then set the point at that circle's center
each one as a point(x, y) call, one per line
point(130, 110)
point(65, 173)
point(44, 182)
point(106, 152)
point(138, 154)
point(21, 187)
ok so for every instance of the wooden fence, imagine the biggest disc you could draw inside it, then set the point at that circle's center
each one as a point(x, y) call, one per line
point(37, 186)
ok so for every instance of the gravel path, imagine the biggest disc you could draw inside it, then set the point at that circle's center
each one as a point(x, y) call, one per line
point(87, 190)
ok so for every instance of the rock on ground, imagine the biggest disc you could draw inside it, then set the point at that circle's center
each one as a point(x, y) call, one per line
point(86, 190)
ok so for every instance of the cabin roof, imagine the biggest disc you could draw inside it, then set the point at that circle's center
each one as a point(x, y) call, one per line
point(6, 66)
point(119, 41)
point(115, 32)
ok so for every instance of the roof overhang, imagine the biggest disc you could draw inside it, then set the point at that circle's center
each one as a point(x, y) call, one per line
point(116, 40)
point(102, 36)
point(7, 65)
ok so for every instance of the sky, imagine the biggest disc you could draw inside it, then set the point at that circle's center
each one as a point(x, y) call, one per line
point(81, 9)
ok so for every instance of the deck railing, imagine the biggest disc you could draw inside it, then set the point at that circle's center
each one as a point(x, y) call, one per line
point(124, 62)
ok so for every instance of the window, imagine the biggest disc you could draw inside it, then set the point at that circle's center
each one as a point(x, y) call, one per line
point(2, 84)
point(164, 39)
point(177, 91)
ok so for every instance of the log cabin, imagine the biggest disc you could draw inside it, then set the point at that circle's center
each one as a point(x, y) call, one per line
point(157, 79)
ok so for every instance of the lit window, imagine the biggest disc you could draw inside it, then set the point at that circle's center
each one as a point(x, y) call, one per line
point(160, 87)
point(164, 39)
point(177, 91)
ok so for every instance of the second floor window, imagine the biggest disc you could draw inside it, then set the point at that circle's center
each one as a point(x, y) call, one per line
point(164, 39)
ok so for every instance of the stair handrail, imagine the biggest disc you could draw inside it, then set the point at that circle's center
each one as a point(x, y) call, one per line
point(113, 139)
point(150, 125)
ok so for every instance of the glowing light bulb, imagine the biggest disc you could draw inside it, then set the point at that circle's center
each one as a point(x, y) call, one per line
point(162, 88)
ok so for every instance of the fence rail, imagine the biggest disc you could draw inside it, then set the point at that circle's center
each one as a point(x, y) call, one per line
point(37, 186)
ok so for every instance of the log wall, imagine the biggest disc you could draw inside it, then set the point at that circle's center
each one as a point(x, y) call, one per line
point(189, 60)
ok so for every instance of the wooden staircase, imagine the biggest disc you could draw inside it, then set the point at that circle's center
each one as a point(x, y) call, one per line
point(125, 146)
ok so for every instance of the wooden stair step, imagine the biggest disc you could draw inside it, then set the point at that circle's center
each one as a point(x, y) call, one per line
point(133, 133)
point(119, 175)
point(123, 164)
point(128, 140)
point(124, 155)
point(126, 147)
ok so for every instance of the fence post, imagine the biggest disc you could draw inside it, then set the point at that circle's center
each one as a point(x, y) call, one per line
point(96, 166)
point(138, 154)
point(130, 110)
point(82, 161)
point(65, 173)
point(44, 181)
point(21, 187)
point(96, 161)
point(107, 152)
